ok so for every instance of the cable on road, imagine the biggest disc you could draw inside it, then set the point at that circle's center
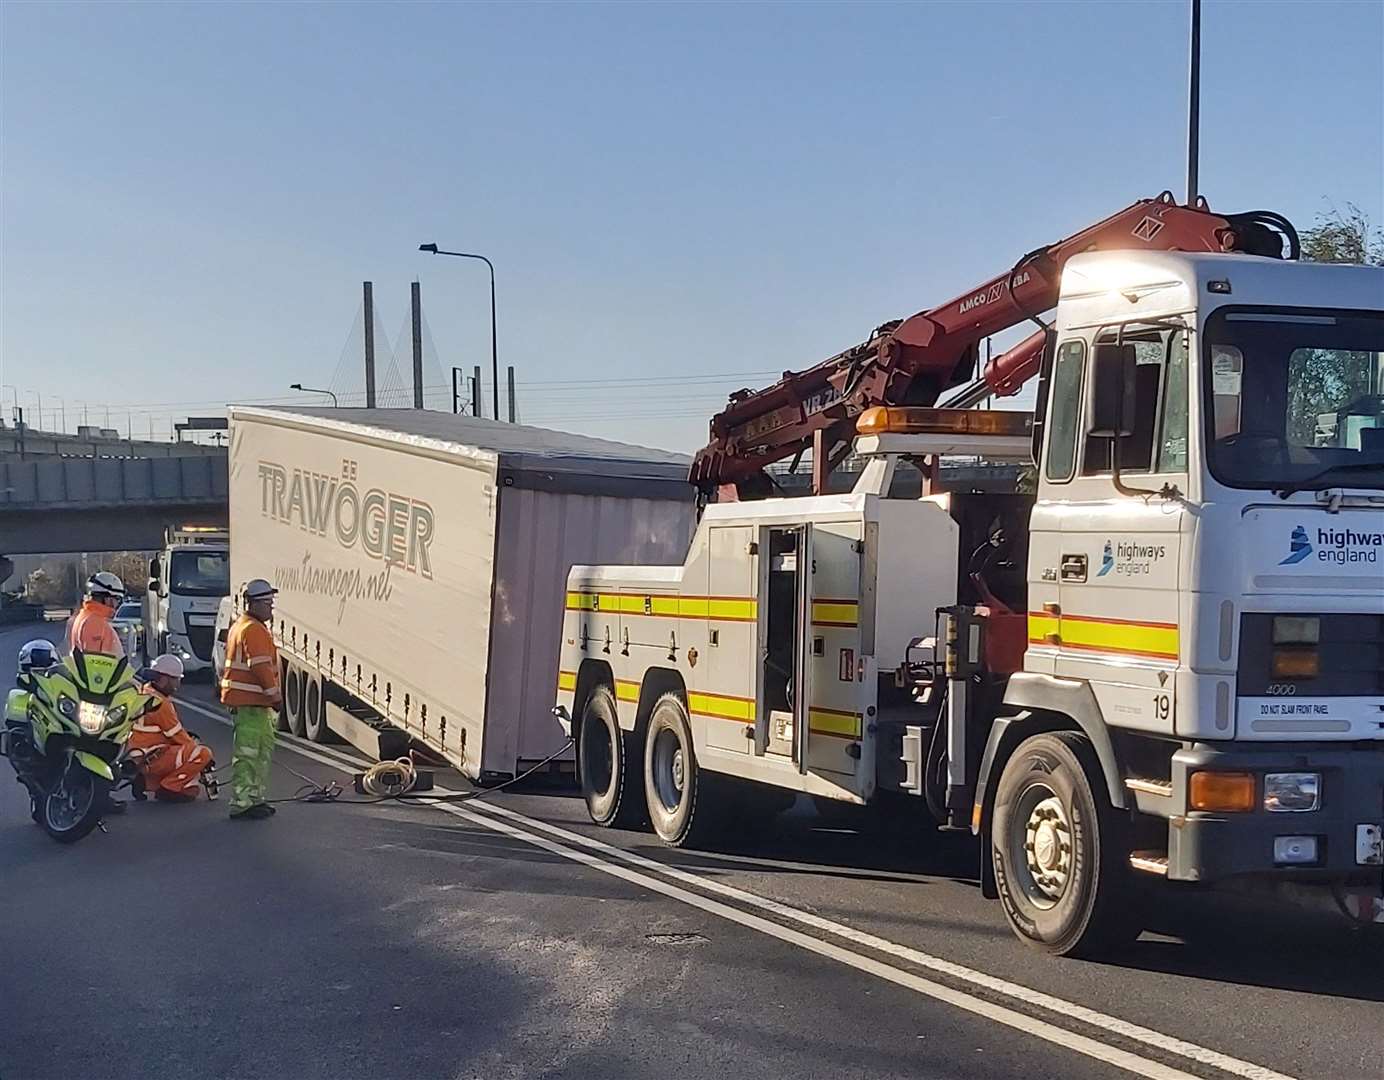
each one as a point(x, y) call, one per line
point(394, 780)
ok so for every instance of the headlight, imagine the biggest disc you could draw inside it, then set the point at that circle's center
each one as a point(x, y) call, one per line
point(91, 718)
point(67, 706)
point(1292, 792)
point(117, 714)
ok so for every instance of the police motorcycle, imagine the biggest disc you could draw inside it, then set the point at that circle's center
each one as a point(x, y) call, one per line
point(67, 745)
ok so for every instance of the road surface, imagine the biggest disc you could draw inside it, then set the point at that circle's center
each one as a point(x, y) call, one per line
point(509, 938)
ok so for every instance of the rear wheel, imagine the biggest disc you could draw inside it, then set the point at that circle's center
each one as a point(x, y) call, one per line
point(74, 805)
point(315, 711)
point(294, 685)
point(1060, 851)
point(606, 765)
point(674, 785)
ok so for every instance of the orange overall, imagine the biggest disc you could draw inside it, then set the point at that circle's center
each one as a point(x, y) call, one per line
point(178, 759)
point(91, 631)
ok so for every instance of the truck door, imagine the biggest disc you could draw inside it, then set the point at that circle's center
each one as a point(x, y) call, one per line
point(1120, 549)
point(839, 685)
point(722, 689)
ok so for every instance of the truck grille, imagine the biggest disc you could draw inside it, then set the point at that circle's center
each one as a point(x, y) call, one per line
point(1350, 656)
point(200, 638)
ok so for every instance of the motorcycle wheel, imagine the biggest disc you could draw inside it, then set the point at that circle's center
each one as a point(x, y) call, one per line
point(74, 805)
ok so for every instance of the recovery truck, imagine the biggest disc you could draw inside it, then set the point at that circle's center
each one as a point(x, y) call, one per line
point(1168, 663)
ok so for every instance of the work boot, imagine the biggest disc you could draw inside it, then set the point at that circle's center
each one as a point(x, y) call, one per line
point(260, 811)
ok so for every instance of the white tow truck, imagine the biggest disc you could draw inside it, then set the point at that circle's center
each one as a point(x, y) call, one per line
point(1169, 663)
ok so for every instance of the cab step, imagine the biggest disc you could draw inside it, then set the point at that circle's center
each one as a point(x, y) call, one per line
point(1150, 862)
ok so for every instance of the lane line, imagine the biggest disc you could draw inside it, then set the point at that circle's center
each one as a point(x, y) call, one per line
point(1092, 1048)
point(1015, 991)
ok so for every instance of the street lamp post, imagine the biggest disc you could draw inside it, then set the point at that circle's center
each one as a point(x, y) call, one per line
point(433, 249)
point(314, 390)
point(456, 391)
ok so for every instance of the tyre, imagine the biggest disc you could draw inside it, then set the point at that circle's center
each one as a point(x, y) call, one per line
point(281, 713)
point(606, 765)
point(680, 807)
point(315, 711)
point(294, 683)
point(1060, 851)
point(73, 807)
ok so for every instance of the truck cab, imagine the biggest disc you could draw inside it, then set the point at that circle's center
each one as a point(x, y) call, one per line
point(187, 580)
point(1168, 662)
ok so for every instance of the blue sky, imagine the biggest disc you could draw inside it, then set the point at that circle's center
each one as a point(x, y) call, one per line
point(680, 200)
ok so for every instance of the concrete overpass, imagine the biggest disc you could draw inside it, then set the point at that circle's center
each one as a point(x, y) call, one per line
point(24, 442)
point(59, 504)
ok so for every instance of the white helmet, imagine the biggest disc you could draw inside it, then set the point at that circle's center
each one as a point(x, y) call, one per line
point(259, 589)
point(105, 583)
point(167, 664)
point(38, 653)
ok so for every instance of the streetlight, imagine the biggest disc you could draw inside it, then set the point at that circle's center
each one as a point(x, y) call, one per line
point(433, 249)
point(314, 390)
point(39, 399)
point(13, 390)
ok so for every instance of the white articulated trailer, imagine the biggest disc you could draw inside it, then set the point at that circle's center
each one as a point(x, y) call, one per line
point(421, 560)
point(1168, 663)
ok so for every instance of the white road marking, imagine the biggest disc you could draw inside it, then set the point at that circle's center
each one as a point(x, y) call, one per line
point(1114, 1025)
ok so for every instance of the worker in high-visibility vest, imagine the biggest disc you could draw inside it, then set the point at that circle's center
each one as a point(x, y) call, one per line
point(250, 689)
point(171, 760)
point(90, 630)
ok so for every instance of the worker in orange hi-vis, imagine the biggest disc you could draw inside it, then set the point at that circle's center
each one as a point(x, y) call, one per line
point(172, 760)
point(250, 689)
point(90, 630)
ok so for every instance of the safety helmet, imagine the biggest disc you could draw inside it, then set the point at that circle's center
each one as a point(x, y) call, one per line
point(36, 654)
point(167, 664)
point(259, 589)
point(104, 583)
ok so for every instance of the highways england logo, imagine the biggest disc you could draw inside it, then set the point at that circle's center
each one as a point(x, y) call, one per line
point(1339, 546)
point(1129, 558)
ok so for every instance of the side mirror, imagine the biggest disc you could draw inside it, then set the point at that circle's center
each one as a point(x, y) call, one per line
point(153, 575)
point(1112, 391)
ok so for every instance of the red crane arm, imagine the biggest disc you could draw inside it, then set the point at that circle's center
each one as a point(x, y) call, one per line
point(912, 361)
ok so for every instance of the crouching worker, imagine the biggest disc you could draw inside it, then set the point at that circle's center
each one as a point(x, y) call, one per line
point(171, 760)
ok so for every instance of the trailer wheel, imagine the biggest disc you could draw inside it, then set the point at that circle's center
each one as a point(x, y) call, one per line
point(281, 713)
point(674, 786)
point(293, 700)
point(1060, 850)
point(605, 763)
point(315, 711)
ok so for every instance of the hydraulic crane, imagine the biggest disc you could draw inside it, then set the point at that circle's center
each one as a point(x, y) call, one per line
point(914, 361)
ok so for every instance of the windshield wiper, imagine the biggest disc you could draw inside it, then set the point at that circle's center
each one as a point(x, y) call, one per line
point(1303, 485)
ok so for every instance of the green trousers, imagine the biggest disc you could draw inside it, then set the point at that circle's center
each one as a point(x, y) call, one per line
point(255, 728)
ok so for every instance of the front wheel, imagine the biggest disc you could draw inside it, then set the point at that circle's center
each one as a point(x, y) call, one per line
point(606, 763)
point(1060, 851)
point(74, 805)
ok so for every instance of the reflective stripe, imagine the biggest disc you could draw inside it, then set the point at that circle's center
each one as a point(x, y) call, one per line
point(566, 680)
point(261, 660)
point(845, 725)
point(178, 760)
point(835, 613)
point(236, 665)
point(1089, 633)
point(249, 688)
point(151, 729)
point(722, 706)
point(713, 608)
point(174, 730)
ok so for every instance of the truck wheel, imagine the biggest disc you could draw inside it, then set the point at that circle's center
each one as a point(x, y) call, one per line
point(283, 722)
point(293, 700)
point(1060, 850)
point(674, 787)
point(315, 711)
point(605, 763)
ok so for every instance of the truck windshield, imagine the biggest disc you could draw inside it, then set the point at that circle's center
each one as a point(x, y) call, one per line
point(1297, 398)
point(200, 573)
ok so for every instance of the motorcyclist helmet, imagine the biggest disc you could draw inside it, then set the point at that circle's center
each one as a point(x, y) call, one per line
point(36, 654)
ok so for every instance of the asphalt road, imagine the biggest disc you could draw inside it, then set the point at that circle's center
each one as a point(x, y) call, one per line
point(510, 938)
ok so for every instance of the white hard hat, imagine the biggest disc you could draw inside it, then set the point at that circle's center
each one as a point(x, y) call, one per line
point(38, 653)
point(105, 582)
point(167, 664)
point(259, 589)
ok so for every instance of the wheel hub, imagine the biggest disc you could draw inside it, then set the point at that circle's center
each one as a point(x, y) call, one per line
point(677, 769)
point(1048, 846)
